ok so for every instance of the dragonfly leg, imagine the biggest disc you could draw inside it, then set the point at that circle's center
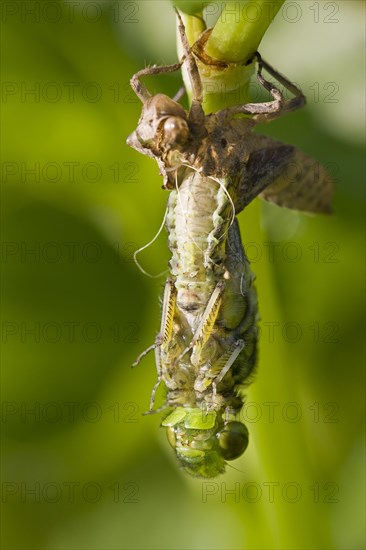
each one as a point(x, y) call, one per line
point(152, 398)
point(166, 323)
point(224, 364)
point(290, 86)
point(196, 114)
point(156, 411)
point(156, 347)
point(169, 301)
point(236, 349)
point(140, 89)
point(204, 329)
point(165, 335)
point(269, 110)
point(166, 328)
point(143, 93)
point(279, 105)
point(143, 354)
point(191, 63)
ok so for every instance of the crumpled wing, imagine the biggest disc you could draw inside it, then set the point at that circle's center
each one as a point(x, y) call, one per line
point(284, 175)
point(304, 184)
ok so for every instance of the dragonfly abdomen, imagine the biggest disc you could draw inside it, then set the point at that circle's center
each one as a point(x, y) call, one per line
point(197, 221)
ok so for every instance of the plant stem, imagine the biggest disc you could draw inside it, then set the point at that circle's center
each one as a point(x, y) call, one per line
point(234, 39)
point(194, 25)
point(240, 29)
point(190, 7)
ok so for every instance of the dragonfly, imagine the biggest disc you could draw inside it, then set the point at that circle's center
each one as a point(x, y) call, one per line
point(213, 166)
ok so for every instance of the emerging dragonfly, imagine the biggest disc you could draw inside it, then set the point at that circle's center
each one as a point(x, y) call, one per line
point(214, 166)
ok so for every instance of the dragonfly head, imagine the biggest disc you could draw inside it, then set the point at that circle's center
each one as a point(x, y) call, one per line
point(203, 442)
point(163, 126)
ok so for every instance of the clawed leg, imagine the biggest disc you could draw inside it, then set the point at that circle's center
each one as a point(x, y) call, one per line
point(204, 329)
point(290, 86)
point(264, 111)
point(140, 90)
point(169, 301)
point(191, 63)
point(152, 398)
point(165, 334)
point(143, 354)
point(229, 358)
point(282, 106)
point(156, 411)
point(196, 113)
point(166, 329)
point(269, 110)
point(156, 347)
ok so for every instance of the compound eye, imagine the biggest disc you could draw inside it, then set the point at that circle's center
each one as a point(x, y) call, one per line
point(175, 130)
point(233, 440)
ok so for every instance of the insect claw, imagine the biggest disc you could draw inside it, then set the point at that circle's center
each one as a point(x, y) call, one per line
point(155, 411)
point(152, 399)
point(142, 355)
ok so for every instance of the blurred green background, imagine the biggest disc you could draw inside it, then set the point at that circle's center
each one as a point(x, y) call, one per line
point(81, 466)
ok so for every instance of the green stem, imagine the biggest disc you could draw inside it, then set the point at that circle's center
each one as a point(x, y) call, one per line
point(240, 29)
point(194, 25)
point(234, 39)
point(190, 7)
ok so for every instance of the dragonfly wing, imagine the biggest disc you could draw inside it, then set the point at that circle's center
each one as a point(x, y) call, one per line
point(304, 185)
point(284, 175)
point(267, 162)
